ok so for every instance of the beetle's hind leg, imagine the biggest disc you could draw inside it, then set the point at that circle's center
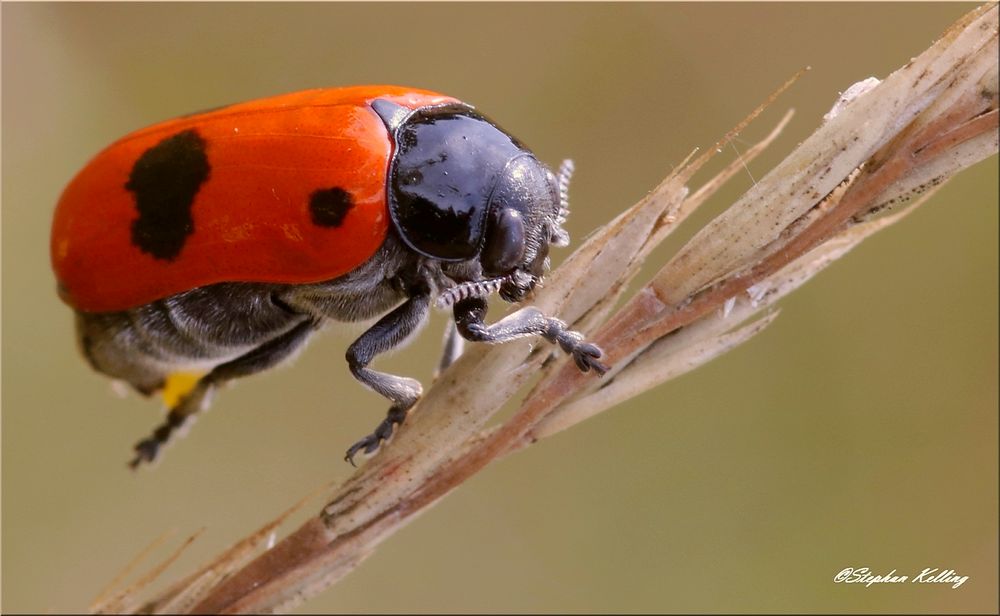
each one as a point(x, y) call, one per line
point(184, 400)
point(403, 392)
point(259, 359)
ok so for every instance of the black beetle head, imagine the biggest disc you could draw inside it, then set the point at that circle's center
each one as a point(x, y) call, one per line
point(522, 221)
point(461, 189)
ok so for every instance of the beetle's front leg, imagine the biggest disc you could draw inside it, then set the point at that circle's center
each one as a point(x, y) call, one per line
point(403, 392)
point(528, 321)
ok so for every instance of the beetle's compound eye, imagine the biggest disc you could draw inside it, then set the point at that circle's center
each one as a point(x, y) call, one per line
point(504, 247)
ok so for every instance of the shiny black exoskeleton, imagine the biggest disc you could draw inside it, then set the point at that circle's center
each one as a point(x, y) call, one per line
point(473, 212)
point(460, 187)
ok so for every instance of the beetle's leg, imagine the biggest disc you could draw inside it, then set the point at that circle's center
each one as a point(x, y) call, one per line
point(453, 346)
point(528, 321)
point(261, 358)
point(403, 392)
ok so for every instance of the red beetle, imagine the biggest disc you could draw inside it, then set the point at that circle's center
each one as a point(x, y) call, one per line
point(222, 241)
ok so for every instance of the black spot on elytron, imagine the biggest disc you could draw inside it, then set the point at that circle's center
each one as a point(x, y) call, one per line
point(329, 206)
point(165, 180)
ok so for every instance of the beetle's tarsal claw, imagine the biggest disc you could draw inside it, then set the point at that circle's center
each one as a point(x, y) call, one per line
point(383, 432)
point(145, 452)
point(585, 355)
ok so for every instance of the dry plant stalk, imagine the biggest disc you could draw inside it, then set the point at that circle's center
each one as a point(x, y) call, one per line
point(882, 144)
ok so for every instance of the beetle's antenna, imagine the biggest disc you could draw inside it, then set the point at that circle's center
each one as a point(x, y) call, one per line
point(465, 290)
point(565, 175)
point(559, 235)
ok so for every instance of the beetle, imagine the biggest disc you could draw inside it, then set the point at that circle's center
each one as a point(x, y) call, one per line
point(220, 242)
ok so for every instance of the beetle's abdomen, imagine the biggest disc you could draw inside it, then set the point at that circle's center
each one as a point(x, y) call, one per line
point(194, 330)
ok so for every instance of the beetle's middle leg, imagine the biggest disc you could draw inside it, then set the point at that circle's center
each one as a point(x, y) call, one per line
point(452, 348)
point(403, 392)
point(260, 358)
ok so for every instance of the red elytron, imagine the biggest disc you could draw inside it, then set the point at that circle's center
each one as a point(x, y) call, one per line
point(250, 217)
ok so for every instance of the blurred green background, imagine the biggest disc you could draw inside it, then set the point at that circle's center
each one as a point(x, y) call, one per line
point(858, 431)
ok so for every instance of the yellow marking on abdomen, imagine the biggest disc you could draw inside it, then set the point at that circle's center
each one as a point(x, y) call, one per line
point(178, 385)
